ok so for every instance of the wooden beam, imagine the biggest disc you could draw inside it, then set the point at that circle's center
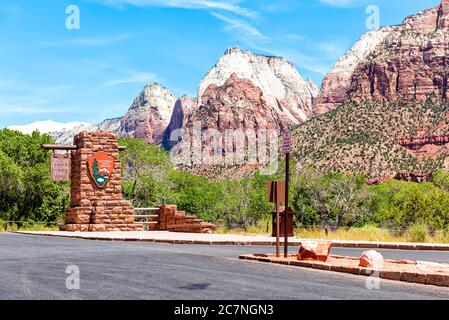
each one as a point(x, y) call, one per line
point(69, 147)
point(59, 147)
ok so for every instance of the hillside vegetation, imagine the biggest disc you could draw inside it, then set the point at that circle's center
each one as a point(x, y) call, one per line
point(331, 199)
point(364, 138)
point(335, 200)
point(27, 193)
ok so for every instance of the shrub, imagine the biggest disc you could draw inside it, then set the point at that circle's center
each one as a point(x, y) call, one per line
point(418, 232)
point(26, 189)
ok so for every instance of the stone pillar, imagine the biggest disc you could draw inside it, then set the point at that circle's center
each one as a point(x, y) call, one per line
point(98, 206)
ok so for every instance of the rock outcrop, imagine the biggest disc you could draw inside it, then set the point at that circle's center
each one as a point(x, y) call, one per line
point(239, 114)
point(336, 84)
point(405, 63)
point(149, 115)
point(236, 104)
point(284, 90)
point(184, 106)
point(389, 97)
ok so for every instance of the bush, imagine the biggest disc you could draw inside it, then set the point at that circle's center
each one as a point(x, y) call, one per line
point(26, 189)
point(418, 232)
point(401, 204)
point(331, 199)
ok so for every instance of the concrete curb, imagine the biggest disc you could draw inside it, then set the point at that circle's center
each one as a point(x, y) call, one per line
point(441, 280)
point(335, 243)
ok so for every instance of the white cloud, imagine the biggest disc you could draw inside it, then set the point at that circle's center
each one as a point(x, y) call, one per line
point(132, 77)
point(314, 56)
point(87, 42)
point(232, 6)
point(294, 37)
point(241, 28)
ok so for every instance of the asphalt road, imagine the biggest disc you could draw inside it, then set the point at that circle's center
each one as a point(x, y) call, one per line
point(34, 267)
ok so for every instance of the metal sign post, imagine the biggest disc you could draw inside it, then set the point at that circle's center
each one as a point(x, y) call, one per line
point(278, 242)
point(276, 191)
point(287, 148)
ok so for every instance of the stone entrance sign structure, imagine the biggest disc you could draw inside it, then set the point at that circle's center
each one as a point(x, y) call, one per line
point(96, 198)
point(97, 205)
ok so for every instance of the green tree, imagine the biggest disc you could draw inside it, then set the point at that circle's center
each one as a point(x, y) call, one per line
point(27, 192)
point(331, 199)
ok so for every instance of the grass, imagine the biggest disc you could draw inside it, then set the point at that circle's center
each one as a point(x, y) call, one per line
point(416, 233)
point(263, 227)
point(27, 227)
point(367, 233)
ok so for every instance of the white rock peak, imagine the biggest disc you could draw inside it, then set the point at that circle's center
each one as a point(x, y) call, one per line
point(361, 50)
point(282, 85)
point(155, 98)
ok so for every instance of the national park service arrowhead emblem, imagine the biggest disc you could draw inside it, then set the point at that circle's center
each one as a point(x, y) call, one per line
point(101, 166)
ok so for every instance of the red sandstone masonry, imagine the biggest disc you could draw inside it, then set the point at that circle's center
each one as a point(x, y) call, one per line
point(170, 219)
point(93, 208)
point(396, 270)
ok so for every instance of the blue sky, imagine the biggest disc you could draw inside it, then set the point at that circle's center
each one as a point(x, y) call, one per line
point(50, 72)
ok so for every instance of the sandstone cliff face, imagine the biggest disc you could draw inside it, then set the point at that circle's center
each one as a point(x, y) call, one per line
point(149, 115)
point(336, 84)
point(237, 104)
point(239, 107)
point(404, 63)
point(411, 65)
point(285, 91)
point(184, 106)
point(390, 95)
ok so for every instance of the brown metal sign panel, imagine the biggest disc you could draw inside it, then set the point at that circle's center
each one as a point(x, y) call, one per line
point(276, 191)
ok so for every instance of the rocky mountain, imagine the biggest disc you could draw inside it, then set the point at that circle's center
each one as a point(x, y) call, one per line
point(156, 112)
point(400, 63)
point(147, 118)
point(149, 115)
point(285, 91)
point(246, 94)
point(388, 101)
point(382, 110)
point(233, 116)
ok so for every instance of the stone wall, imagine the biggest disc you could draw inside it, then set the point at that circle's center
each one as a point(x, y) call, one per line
point(171, 219)
point(94, 208)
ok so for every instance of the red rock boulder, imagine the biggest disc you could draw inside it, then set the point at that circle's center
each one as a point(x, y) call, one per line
point(371, 259)
point(317, 250)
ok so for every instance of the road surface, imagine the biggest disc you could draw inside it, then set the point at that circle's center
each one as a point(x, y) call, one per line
point(34, 267)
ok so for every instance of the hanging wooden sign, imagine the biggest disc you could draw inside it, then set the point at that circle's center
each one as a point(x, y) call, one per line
point(60, 167)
